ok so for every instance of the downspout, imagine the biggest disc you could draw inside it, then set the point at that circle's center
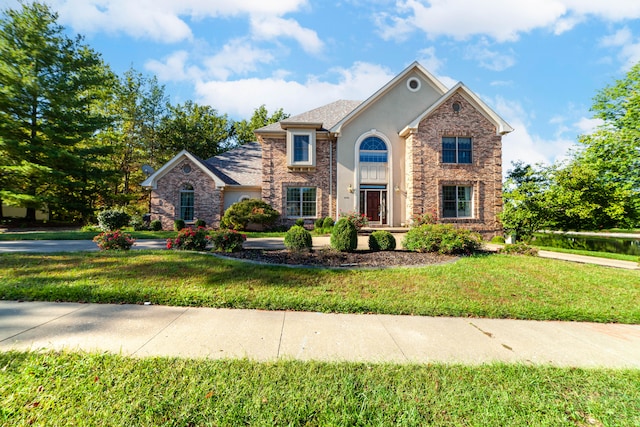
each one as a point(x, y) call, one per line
point(330, 175)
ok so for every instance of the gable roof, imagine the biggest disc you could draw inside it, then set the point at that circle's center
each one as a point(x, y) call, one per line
point(240, 166)
point(321, 118)
point(502, 127)
point(415, 66)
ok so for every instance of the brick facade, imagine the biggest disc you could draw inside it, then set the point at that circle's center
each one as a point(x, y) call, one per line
point(165, 199)
point(426, 174)
point(277, 176)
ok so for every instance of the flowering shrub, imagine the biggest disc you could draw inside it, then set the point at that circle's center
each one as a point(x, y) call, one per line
point(357, 219)
point(190, 240)
point(227, 240)
point(425, 218)
point(114, 240)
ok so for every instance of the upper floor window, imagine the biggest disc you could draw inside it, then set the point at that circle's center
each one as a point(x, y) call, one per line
point(456, 150)
point(373, 150)
point(301, 148)
point(187, 202)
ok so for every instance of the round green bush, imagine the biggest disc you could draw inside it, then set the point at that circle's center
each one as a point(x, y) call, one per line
point(317, 224)
point(155, 225)
point(113, 219)
point(300, 222)
point(200, 223)
point(497, 239)
point(178, 224)
point(253, 211)
point(328, 222)
point(442, 238)
point(297, 239)
point(382, 240)
point(344, 236)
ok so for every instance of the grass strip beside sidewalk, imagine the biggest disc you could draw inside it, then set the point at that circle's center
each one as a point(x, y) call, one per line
point(493, 286)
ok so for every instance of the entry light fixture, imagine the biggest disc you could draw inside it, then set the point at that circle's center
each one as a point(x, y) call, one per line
point(350, 188)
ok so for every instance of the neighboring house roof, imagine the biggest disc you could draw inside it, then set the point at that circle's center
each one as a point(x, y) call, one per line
point(415, 66)
point(241, 166)
point(321, 118)
point(502, 127)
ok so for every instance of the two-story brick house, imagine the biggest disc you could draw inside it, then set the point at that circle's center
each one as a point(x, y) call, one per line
point(413, 147)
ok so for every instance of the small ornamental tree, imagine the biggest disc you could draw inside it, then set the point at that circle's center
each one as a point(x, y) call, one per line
point(253, 211)
point(344, 236)
point(297, 239)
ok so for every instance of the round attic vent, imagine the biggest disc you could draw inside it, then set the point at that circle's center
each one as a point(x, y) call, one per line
point(186, 169)
point(413, 84)
point(456, 106)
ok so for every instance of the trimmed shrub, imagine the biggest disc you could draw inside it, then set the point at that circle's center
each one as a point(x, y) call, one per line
point(155, 225)
point(317, 224)
point(138, 224)
point(178, 225)
point(328, 222)
point(442, 238)
point(200, 223)
point(497, 240)
point(297, 239)
point(357, 219)
point(518, 249)
point(255, 211)
point(300, 222)
point(227, 240)
point(114, 240)
point(382, 240)
point(344, 236)
point(190, 240)
point(113, 219)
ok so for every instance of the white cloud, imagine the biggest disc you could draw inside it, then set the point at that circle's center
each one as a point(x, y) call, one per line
point(628, 44)
point(162, 20)
point(174, 68)
point(487, 58)
point(236, 57)
point(501, 20)
point(272, 27)
point(586, 126)
point(240, 97)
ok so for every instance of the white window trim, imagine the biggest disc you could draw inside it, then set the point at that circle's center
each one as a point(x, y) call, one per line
point(312, 148)
point(286, 201)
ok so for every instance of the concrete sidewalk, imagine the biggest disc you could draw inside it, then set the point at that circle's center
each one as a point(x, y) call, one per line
point(140, 331)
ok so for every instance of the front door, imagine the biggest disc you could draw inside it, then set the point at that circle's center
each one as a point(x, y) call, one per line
point(373, 204)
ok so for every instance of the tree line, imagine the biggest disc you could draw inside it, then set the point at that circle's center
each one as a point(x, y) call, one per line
point(74, 136)
point(598, 187)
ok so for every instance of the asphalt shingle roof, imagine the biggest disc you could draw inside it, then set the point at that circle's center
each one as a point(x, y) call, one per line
point(328, 115)
point(240, 166)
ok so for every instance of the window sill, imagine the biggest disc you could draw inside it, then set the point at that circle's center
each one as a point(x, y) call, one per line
point(301, 168)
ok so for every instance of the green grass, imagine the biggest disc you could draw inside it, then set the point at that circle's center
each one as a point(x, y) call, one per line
point(493, 286)
point(88, 235)
point(608, 255)
point(110, 390)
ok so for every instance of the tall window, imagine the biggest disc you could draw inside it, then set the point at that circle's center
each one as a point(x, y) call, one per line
point(457, 201)
point(456, 150)
point(373, 150)
point(186, 202)
point(301, 202)
point(300, 148)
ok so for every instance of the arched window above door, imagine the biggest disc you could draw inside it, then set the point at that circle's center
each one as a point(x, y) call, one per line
point(373, 150)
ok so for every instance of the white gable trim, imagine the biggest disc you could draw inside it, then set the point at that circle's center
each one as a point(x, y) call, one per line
point(415, 66)
point(152, 181)
point(502, 126)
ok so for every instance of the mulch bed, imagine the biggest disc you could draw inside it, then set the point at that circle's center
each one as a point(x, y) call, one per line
point(335, 259)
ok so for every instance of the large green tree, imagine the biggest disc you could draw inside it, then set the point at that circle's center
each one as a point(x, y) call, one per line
point(196, 128)
point(52, 93)
point(243, 129)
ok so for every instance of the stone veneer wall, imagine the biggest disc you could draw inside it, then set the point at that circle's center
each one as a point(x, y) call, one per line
point(276, 176)
point(165, 200)
point(426, 174)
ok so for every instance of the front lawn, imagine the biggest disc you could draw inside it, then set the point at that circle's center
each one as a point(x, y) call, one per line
point(495, 286)
point(110, 390)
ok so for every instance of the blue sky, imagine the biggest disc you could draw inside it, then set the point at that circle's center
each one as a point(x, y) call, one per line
point(538, 63)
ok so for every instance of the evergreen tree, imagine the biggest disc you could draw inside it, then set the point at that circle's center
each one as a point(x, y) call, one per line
point(52, 90)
